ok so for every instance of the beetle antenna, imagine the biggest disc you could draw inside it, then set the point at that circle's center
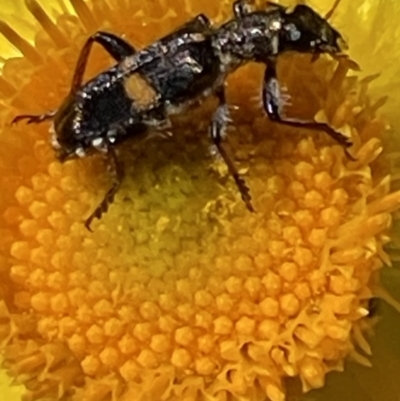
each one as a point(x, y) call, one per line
point(332, 10)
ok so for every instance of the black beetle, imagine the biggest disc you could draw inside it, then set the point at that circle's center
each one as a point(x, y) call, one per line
point(144, 88)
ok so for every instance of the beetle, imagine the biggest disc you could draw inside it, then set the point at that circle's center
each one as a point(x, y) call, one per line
point(145, 87)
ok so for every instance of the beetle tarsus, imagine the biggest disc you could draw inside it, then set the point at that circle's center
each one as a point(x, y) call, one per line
point(34, 118)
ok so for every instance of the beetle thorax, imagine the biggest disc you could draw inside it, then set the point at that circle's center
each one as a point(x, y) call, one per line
point(254, 37)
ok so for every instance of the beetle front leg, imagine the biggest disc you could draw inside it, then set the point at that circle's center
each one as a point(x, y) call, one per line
point(272, 101)
point(118, 174)
point(218, 126)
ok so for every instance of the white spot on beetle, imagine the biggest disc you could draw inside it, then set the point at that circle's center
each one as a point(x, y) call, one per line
point(80, 152)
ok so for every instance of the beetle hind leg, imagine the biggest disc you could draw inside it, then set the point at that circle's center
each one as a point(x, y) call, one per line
point(117, 47)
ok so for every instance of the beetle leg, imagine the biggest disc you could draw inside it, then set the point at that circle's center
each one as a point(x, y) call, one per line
point(34, 118)
point(118, 174)
point(241, 8)
point(198, 24)
point(114, 45)
point(244, 7)
point(272, 101)
point(218, 126)
point(201, 21)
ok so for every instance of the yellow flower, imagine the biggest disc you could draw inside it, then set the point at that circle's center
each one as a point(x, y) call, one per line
point(180, 293)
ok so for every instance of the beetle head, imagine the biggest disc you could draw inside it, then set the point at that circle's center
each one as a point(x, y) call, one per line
point(303, 30)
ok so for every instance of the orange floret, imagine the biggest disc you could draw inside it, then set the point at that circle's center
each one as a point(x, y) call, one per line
point(180, 293)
